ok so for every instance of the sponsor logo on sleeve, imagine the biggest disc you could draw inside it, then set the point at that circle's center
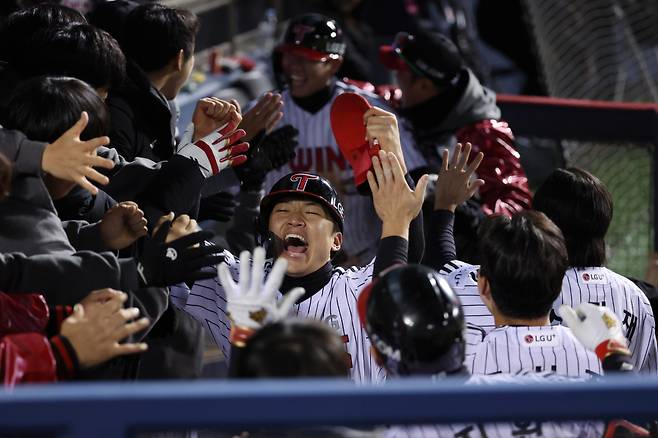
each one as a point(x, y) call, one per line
point(593, 277)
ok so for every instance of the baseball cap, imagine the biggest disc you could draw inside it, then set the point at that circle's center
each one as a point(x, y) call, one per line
point(430, 55)
point(314, 37)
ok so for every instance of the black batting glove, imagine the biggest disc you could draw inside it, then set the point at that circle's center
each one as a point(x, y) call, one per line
point(163, 264)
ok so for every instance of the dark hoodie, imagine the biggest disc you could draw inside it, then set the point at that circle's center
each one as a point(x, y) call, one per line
point(436, 120)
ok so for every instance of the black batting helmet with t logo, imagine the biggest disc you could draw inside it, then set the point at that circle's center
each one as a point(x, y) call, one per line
point(303, 185)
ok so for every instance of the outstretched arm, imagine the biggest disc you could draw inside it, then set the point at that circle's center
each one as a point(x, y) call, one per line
point(396, 205)
point(454, 187)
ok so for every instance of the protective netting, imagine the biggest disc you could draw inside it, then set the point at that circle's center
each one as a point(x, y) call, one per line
point(626, 169)
point(597, 49)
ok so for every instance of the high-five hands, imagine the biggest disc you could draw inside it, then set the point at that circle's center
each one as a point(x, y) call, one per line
point(395, 203)
point(456, 184)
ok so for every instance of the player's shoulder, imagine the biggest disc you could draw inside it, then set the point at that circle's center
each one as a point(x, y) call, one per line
point(356, 273)
point(459, 274)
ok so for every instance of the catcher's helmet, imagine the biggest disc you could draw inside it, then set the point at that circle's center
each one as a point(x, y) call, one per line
point(414, 320)
point(315, 37)
point(303, 185)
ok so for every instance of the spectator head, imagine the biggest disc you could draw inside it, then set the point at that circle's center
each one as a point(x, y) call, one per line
point(43, 108)
point(23, 24)
point(581, 206)
point(311, 53)
point(112, 16)
point(425, 64)
point(160, 40)
point(523, 261)
point(294, 348)
point(415, 322)
point(81, 51)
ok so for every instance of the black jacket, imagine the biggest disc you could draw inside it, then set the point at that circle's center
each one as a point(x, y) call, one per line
point(140, 119)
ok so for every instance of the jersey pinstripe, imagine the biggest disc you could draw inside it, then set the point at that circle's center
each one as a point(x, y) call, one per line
point(335, 304)
point(594, 285)
point(511, 350)
point(526, 429)
point(318, 152)
point(604, 287)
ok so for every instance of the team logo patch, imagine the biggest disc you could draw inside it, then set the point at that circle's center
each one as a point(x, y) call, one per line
point(302, 179)
point(594, 278)
point(537, 339)
point(171, 254)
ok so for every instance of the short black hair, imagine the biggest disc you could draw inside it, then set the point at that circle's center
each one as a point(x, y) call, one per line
point(112, 16)
point(43, 108)
point(81, 51)
point(20, 26)
point(154, 34)
point(294, 348)
point(524, 258)
point(581, 206)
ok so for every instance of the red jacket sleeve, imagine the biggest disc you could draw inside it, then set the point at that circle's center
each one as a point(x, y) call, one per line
point(26, 357)
point(506, 186)
point(20, 313)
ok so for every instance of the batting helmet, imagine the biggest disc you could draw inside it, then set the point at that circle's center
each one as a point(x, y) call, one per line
point(414, 320)
point(315, 37)
point(303, 185)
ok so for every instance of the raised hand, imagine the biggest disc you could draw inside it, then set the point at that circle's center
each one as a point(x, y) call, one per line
point(215, 152)
point(250, 302)
point(382, 129)
point(213, 113)
point(162, 263)
point(95, 335)
point(263, 116)
point(395, 203)
point(71, 159)
point(122, 225)
point(455, 184)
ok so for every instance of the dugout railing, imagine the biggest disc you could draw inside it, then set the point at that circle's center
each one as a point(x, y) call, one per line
point(617, 142)
point(118, 410)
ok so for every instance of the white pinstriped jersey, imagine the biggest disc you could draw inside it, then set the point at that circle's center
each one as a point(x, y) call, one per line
point(594, 285)
point(462, 278)
point(511, 350)
point(318, 152)
point(335, 304)
point(604, 287)
point(525, 429)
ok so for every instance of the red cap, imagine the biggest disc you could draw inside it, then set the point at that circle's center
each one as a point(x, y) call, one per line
point(347, 125)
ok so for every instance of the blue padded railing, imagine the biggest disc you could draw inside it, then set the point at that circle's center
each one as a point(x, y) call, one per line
point(114, 410)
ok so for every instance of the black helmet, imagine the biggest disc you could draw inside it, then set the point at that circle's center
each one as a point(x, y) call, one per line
point(315, 37)
point(305, 185)
point(414, 320)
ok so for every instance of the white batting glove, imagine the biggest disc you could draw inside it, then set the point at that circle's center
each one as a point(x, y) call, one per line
point(250, 303)
point(216, 151)
point(596, 327)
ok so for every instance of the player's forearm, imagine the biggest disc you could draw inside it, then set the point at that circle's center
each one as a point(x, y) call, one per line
point(392, 251)
point(441, 249)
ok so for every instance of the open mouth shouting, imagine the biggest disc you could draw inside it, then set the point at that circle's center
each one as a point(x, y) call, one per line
point(294, 245)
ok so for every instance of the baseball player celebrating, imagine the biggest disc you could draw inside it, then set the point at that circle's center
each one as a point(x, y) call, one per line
point(523, 262)
point(416, 326)
point(302, 221)
point(310, 54)
point(580, 204)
